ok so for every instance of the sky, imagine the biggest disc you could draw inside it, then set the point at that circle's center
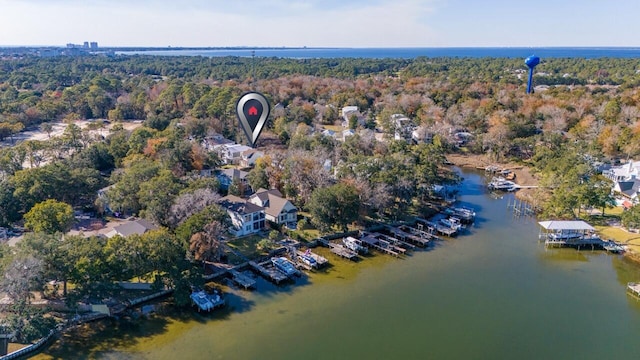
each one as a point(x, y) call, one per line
point(321, 23)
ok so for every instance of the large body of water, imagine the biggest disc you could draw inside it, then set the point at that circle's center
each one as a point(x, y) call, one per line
point(408, 53)
point(495, 293)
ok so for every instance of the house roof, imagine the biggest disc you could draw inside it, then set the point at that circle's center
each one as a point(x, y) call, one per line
point(239, 205)
point(273, 200)
point(139, 227)
point(234, 173)
point(248, 154)
point(566, 225)
point(629, 188)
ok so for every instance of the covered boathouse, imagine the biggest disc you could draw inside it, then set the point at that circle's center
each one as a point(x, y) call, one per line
point(574, 233)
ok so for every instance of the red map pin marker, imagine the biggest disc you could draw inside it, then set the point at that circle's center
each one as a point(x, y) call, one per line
point(252, 110)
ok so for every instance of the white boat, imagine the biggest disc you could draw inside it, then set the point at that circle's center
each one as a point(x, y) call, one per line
point(354, 245)
point(284, 265)
point(308, 259)
point(500, 183)
point(207, 302)
point(452, 222)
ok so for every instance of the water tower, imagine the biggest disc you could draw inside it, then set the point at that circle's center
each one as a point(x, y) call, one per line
point(531, 62)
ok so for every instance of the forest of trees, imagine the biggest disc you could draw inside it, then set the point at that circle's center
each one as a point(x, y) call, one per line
point(587, 110)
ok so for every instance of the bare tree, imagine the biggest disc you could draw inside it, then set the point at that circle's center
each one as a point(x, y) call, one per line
point(21, 276)
point(191, 203)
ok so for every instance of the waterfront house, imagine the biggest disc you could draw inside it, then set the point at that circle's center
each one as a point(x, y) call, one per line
point(626, 172)
point(277, 209)
point(246, 218)
point(627, 191)
point(138, 227)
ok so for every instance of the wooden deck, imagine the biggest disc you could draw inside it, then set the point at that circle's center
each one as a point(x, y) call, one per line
point(342, 251)
point(268, 271)
point(242, 279)
point(372, 241)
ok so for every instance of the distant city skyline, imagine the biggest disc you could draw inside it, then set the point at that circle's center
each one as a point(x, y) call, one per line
point(316, 23)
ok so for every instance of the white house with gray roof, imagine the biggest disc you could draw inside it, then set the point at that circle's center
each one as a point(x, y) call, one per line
point(246, 218)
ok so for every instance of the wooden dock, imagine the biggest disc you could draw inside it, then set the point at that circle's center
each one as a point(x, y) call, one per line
point(342, 251)
point(593, 242)
point(383, 246)
point(320, 260)
point(268, 271)
point(242, 279)
point(411, 235)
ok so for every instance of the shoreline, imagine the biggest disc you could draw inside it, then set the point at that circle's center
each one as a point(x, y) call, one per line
point(525, 177)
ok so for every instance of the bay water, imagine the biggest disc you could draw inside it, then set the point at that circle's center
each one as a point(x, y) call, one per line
point(492, 293)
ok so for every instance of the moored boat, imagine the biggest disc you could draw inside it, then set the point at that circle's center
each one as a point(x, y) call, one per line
point(500, 183)
point(355, 245)
point(284, 265)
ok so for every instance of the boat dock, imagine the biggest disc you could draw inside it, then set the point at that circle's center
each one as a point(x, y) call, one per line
point(372, 241)
point(438, 228)
point(342, 251)
point(419, 232)
point(242, 279)
point(320, 260)
point(205, 301)
point(268, 271)
point(411, 235)
point(634, 289)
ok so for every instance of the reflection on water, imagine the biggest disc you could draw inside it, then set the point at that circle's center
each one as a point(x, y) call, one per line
point(495, 293)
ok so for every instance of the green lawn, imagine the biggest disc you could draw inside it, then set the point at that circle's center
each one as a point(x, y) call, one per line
point(246, 245)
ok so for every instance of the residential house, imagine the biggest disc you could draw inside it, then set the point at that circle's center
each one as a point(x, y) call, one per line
point(347, 133)
point(328, 133)
point(626, 182)
point(246, 218)
point(231, 153)
point(348, 112)
point(628, 190)
point(626, 172)
point(422, 136)
point(249, 157)
point(138, 227)
point(212, 142)
point(277, 209)
point(226, 177)
point(403, 127)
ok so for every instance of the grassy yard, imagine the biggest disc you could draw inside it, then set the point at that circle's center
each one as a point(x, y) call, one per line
point(247, 246)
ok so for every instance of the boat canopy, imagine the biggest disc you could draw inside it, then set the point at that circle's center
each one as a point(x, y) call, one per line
point(557, 225)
